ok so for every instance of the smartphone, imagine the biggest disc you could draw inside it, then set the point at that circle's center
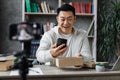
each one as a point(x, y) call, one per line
point(61, 41)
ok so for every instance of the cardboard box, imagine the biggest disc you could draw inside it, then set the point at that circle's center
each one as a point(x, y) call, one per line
point(6, 65)
point(89, 64)
point(6, 62)
point(69, 61)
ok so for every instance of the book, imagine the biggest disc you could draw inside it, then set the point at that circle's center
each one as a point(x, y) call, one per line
point(82, 7)
point(45, 6)
point(28, 5)
point(48, 7)
point(42, 7)
point(88, 7)
point(39, 8)
point(34, 47)
point(77, 6)
point(34, 7)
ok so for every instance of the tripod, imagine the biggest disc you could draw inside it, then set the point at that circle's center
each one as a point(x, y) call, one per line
point(23, 68)
point(23, 63)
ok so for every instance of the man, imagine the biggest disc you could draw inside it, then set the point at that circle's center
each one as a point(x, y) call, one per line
point(77, 42)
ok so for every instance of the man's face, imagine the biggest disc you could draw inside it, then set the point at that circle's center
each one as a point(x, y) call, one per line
point(66, 20)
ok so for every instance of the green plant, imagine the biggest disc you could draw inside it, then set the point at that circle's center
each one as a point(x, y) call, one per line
point(116, 24)
point(108, 41)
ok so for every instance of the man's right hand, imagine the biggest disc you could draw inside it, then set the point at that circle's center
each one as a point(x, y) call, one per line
point(57, 51)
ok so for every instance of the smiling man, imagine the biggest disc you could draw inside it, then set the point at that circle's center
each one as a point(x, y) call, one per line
point(77, 41)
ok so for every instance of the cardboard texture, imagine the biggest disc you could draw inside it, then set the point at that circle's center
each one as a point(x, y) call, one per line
point(89, 64)
point(69, 61)
point(6, 65)
point(6, 62)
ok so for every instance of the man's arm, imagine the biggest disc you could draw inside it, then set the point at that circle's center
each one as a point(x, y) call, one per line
point(85, 50)
point(48, 50)
point(43, 51)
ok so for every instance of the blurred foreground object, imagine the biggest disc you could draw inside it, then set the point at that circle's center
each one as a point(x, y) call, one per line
point(25, 31)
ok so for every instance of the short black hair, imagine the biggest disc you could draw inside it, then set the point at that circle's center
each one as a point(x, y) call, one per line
point(66, 7)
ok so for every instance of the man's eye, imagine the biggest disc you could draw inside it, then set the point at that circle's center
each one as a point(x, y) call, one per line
point(69, 19)
point(62, 19)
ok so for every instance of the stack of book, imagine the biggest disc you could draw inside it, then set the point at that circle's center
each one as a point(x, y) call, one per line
point(43, 7)
point(82, 7)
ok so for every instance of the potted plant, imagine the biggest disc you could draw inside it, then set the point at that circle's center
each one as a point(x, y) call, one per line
point(108, 38)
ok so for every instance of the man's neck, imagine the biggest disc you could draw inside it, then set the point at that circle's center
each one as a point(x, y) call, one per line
point(66, 33)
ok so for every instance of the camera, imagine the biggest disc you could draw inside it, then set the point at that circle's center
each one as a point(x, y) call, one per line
point(25, 31)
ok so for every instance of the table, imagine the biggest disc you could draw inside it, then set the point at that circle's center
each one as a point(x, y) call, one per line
point(54, 73)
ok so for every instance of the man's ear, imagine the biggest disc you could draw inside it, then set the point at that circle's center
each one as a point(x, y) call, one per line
point(75, 18)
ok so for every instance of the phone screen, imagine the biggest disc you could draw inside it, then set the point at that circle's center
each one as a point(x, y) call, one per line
point(61, 41)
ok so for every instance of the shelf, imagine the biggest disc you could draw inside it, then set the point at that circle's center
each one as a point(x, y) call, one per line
point(36, 13)
point(90, 36)
point(49, 14)
point(84, 14)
